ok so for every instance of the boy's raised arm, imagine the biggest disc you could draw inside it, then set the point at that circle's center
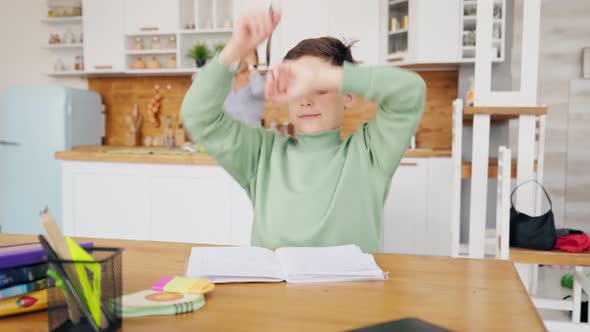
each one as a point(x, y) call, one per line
point(400, 94)
point(234, 145)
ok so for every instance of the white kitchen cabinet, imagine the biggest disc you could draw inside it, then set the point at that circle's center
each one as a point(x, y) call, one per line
point(431, 35)
point(191, 207)
point(404, 214)
point(109, 203)
point(242, 215)
point(103, 43)
point(346, 20)
point(181, 203)
point(149, 16)
point(416, 216)
point(438, 213)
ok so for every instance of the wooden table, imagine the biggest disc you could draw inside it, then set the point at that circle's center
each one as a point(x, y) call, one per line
point(459, 294)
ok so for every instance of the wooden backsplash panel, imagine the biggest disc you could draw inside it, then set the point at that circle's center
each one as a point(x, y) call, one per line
point(120, 93)
point(435, 129)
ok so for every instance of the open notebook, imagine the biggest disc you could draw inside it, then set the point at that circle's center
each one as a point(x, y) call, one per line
point(296, 265)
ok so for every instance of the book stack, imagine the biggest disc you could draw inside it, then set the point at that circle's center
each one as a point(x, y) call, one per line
point(23, 281)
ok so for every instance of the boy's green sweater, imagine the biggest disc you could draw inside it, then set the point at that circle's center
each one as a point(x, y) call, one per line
point(316, 190)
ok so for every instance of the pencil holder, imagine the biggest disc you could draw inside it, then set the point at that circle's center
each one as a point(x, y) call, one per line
point(87, 292)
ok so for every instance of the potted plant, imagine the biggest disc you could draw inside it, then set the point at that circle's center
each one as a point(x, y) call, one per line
point(200, 52)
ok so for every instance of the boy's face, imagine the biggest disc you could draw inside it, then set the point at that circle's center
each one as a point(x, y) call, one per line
point(321, 110)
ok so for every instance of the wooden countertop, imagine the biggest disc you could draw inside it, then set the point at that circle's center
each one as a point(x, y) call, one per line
point(457, 294)
point(97, 153)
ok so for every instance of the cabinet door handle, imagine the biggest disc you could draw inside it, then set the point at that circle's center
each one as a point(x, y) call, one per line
point(408, 164)
point(103, 67)
point(149, 29)
point(395, 59)
point(9, 143)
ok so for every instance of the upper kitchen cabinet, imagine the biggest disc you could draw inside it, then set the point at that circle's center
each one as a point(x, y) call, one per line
point(103, 43)
point(346, 20)
point(149, 16)
point(468, 23)
point(421, 31)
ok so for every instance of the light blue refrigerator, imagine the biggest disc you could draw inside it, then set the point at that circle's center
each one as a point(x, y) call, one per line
point(36, 122)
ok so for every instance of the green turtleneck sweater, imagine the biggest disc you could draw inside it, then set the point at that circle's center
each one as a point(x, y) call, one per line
point(317, 190)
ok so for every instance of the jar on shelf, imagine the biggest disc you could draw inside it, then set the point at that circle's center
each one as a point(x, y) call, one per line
point(59, 65)
point(155, 43)
point(138, 44)
point(68, 37)
point(171, 63)
point(497, 32)
point(56, 9)
point(139, 63)
point(470, 11)
point(469, 38)
point(79, 63)
point(393, 26)
point(498, 11)
point(153, 63)
point(172, 42)
point(54, 39)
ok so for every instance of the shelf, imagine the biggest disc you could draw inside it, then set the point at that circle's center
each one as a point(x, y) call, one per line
point(204, 31)
point(397, 56)
point(470, 23)
point(474, 2)
point(72, 19)
point(472, 60)
point(142, 52)
point(504, 113)
point(474, 17)
point(151, 33)
point(67, 73)
point(397, 2)
point(62, 46)
point(492, 169)
point(397, 32)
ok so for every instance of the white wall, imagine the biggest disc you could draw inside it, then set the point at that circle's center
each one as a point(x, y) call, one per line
point(22, 60)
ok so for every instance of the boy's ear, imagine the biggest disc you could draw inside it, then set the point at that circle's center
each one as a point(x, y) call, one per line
point(348, 100)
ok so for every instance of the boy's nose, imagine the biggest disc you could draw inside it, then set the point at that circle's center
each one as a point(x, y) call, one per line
point(305, 103)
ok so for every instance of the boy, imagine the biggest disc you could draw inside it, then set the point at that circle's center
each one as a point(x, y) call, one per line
point(315, 190)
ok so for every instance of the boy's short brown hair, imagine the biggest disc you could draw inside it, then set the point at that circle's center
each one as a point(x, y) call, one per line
point(327, 48)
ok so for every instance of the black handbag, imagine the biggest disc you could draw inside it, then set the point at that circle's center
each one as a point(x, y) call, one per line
point(532, 232)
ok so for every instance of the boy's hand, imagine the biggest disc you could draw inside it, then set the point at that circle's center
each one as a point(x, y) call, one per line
point(250, 31)
point(293, 79)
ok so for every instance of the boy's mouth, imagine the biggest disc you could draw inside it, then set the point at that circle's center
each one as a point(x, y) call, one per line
point(309, 116)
